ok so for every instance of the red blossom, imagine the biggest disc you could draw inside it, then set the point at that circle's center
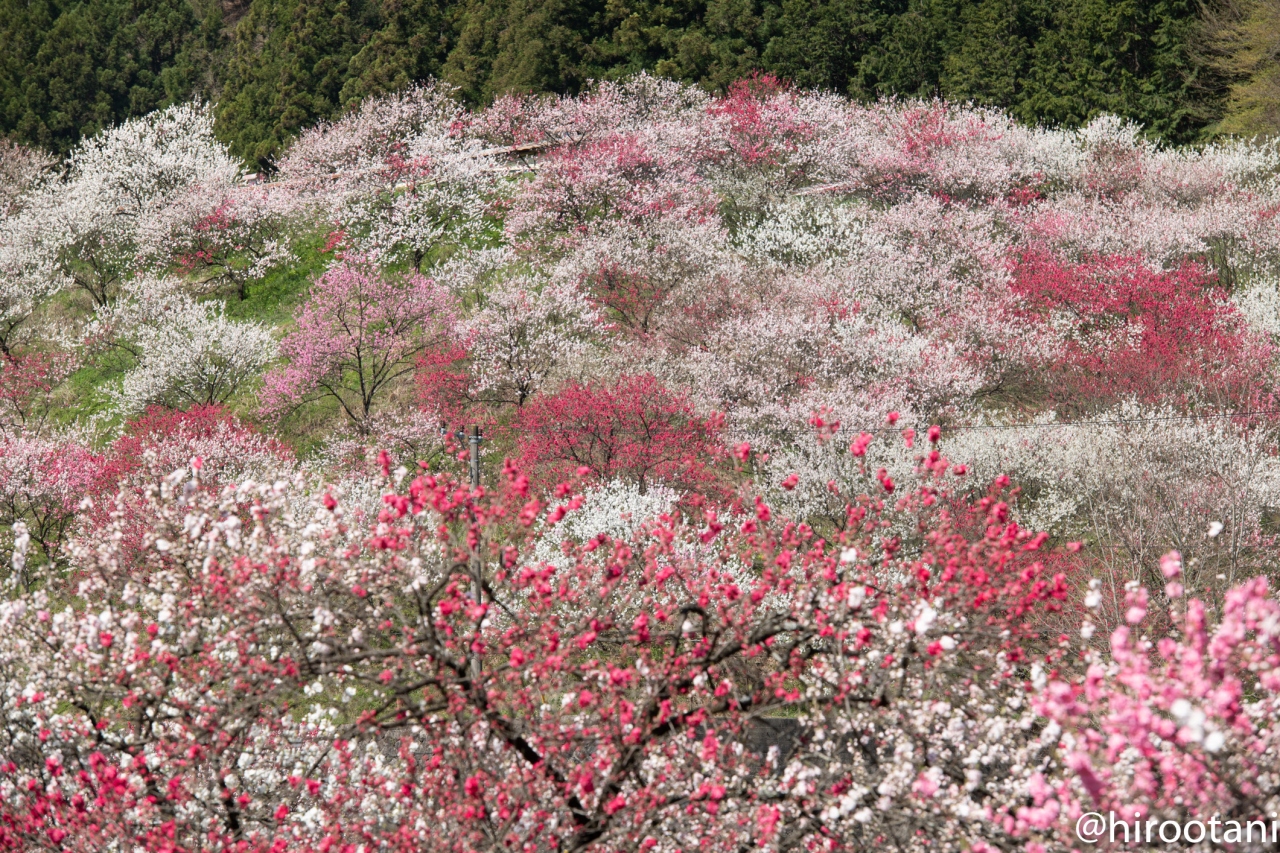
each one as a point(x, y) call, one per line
point(633, 429)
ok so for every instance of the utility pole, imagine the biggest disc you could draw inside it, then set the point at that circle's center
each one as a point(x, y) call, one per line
point(474, 439)
point(477, 579)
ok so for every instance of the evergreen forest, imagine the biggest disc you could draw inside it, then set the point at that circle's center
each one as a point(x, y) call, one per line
point(1184, 70)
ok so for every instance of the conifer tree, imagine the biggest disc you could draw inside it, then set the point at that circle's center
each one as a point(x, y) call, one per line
point(1241, 40)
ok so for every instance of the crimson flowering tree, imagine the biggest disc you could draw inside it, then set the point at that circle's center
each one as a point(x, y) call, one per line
point(764, 121)
point(1138, 333)
point(259, 680)
point(26, 381)
point(442, 382)
point(360, 331)
point(164, 440)
point(208, 439)
point(633, 429)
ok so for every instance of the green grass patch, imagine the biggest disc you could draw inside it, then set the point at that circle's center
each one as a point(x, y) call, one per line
point(84, 394)
point(273, 298)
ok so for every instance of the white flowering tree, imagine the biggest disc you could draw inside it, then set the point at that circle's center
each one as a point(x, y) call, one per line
point(20, 169)
point(188, 352)
point(397, 176)
point(86, 226)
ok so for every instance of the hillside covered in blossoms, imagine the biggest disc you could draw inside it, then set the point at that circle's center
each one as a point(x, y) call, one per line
point(850, 475)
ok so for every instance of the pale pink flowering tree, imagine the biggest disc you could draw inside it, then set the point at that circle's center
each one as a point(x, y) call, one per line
point(367, 150)
point(43, 480)
point(628, 149)
point(397, 174)
point(662, 283)
point(20, 169)
point(520, 339)
point(1135, 481)
point(359, 332)
point(205, 439)
point(631, 176)
point(1171, 724)
point(609, 107)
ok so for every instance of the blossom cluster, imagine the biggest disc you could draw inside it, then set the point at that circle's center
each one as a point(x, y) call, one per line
point(844, 475)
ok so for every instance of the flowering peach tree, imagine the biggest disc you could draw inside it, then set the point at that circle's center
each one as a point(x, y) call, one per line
point(359, 332)
point(854, 476)
point(254, 678)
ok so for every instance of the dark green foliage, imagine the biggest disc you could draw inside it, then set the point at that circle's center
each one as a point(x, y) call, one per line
point(1129, 57)
point(1058, 62)
point(289, 62)
point(523, 45)
point(988, 52)
point(1238, 43)
point(828, 44)
point(560, 45)
point(411, 44)
point(69, 67)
